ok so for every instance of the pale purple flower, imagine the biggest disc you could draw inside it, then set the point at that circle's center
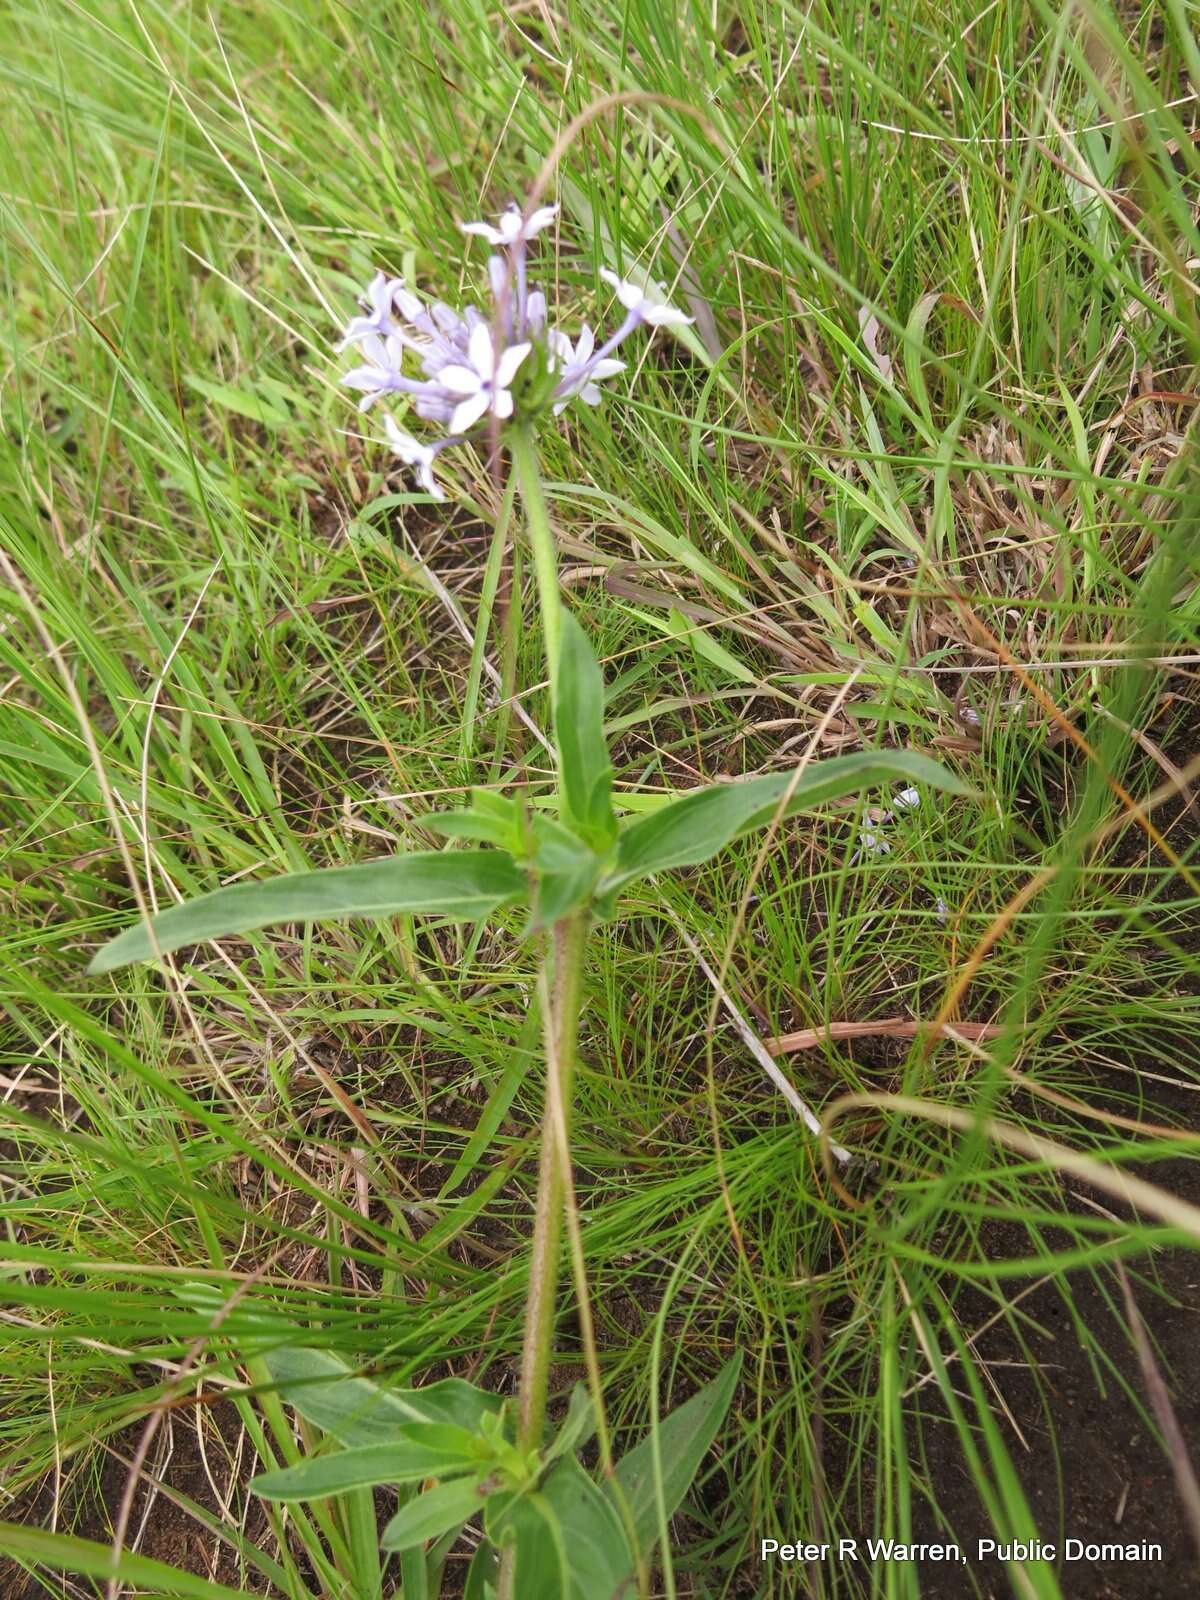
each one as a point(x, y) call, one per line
point(415, 454)
point(380, 373)
point(514, 227)
point(645, 304)
point(535, 312)
point(434, 404)
point(378, 298)
point(871, 843)
point(581, 370)
point(447, 319)
point(484, 384)
point(468, 361)
point(407, 303)
point(907, 799)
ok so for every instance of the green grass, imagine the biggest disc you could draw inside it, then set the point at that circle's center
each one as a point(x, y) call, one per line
point(211, 555)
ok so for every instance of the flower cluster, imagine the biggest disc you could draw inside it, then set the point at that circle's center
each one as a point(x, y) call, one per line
point(475, 368)
point(874, 841)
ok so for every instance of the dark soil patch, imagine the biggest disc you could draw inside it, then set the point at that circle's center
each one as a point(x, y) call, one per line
point(160, 1526)
point(1091, 1468)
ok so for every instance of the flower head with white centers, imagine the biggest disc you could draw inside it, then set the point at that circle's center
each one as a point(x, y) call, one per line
point(380, 372)
point(513, 227)
point(579, 370)
point(474, 366)
point(482, 383)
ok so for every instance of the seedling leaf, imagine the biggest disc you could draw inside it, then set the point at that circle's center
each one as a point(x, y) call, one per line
point(460, 885)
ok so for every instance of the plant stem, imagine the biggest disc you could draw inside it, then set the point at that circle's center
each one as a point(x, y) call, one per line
point(561, 983)
point(561, 1029)
point(541, 539)
point(560, 1011)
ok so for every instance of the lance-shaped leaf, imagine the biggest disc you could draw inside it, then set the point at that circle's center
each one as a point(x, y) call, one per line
point(445, 1506)
point(359, 1411)
point(584, 766)
point(704, 821)
point(460, 885)
point(63, 1552)
point(490, 818)
point(416, 1451)
point(684, 1439)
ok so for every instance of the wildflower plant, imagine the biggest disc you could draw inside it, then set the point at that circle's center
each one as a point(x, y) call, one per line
point(456, 1454)
point(508, 366)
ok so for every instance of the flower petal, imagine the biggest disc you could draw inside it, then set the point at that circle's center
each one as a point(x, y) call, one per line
point(447, 320)
point(379, 294)
point(497, 269)
point(468, 412)
point(540, 219)
point(357, 328)
point(365, 378)
point(630, 296)
point(664, 316)
point(407, 303)
point(403, 444)
point(481, 350)
point(484, 231)
point(510, 360)
point(512, 225)
point(460, 380)
point(426, 479)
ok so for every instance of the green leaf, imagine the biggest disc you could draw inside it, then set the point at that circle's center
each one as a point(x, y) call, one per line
point(445, 1506)
point(540, 1558)
point(418, 1450)
point(584, 765)
point(567, 871)
point(709, 648)
point(482, 1574)
point(469, 825)
point(570, 1544)
point(557, 848)
point(683, 1440)
point(358, 1411)
point(61, 1552)
point(490, 818)
point(461, 885)
point(558, 894)
point(704, 821)
point(241, 401)
point(578, 1426)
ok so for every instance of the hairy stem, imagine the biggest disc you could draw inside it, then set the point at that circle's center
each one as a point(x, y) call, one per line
point(562, 1028)
point(560, 1010)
